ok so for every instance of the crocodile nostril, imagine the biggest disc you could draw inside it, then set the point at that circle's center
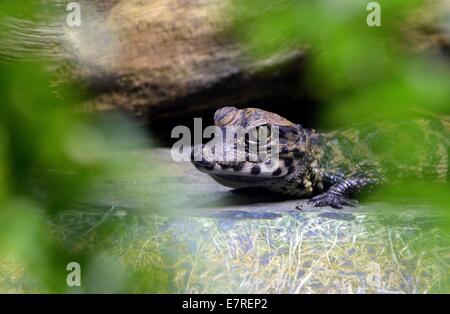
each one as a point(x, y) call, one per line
point(203, 164)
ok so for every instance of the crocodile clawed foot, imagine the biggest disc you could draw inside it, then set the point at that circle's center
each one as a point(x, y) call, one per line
point(334, 200)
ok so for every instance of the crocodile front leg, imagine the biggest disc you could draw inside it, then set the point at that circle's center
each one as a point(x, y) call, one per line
point(339, 194)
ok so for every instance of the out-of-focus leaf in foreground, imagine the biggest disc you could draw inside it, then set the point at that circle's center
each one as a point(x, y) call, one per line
point(52, 159)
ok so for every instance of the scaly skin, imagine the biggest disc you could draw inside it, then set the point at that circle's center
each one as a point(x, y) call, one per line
point(331, 167)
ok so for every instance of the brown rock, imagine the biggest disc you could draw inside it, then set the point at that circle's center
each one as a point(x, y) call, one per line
point(162, 57)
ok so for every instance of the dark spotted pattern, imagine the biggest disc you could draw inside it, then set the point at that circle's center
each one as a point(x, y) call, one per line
point(291, 169)
point(298, 154)
point(277, 172)
point(288, 162)
point(255, 170)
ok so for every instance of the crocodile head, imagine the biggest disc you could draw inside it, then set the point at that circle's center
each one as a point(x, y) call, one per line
point(281, 148)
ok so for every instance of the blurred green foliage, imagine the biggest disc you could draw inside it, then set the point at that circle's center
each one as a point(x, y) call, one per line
point(51, 158)
point(362, 72)
point(365, 74)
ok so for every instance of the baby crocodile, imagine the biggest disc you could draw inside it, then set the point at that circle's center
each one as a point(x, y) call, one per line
point(329, 167)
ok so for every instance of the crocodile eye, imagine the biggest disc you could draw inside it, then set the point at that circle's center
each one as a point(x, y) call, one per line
point(265, 132)
point(258, 135)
